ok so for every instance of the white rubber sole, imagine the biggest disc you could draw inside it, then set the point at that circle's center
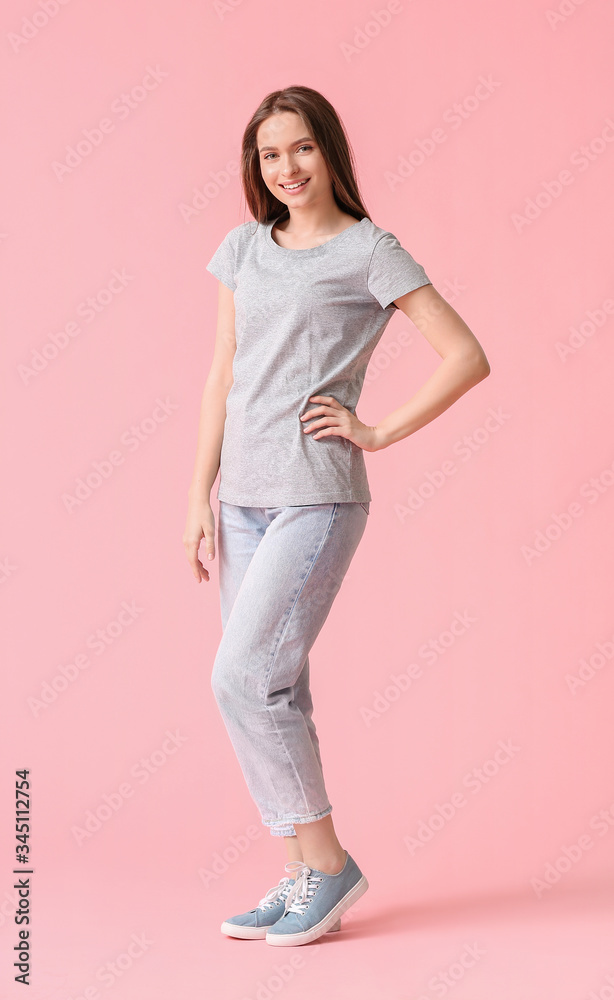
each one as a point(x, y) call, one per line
point(285, 940)
point(240, 931)
point(257, 933)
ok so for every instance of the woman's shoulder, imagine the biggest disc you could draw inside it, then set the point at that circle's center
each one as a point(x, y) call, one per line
point(243, 230)
point(377, 231)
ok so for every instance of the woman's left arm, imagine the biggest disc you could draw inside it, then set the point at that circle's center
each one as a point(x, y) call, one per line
point(464, 365)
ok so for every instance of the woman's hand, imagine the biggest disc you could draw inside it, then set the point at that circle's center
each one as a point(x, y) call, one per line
point(200, 524)
point(338, 420)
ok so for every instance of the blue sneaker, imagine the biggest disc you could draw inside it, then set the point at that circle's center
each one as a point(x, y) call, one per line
point(255, 923)
point(315, 902)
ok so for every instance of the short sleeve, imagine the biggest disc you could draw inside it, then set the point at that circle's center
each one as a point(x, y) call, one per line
point(393, 271)
point(222, 264)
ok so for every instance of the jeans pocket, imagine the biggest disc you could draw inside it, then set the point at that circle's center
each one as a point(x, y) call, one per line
point(365, 506)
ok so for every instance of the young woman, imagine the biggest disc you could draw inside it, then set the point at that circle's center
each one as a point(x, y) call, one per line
point(305, 293)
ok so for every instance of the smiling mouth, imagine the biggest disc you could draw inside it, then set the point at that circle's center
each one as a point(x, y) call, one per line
point(295, 185)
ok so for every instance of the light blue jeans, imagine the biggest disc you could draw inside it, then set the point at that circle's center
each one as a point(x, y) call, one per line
point(279, 569)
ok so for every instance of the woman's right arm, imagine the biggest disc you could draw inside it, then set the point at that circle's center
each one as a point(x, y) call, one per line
point(200, 521)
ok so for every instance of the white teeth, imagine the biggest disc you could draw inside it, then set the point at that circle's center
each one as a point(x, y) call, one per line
point(290, 187)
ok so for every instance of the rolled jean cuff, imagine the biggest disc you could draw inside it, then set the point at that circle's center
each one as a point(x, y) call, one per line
point(286, 829)
point(283, 831)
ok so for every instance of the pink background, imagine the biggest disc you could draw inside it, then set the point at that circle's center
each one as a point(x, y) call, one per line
point(66, 573)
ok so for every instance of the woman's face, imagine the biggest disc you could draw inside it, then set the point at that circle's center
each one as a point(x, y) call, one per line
point(290, 154)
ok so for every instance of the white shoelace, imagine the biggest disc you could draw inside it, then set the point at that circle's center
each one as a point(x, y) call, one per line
point(279, 891)
point(303, 889)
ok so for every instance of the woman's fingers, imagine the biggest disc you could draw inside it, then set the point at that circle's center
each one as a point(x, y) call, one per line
point(208, 529)
point(210, 545)
point(200, 525)
point(329, 402)
point(327, 420)
point(192, 545)
point(191, 551)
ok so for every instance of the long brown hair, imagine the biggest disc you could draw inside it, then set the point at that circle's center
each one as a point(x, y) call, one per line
point(328, 131)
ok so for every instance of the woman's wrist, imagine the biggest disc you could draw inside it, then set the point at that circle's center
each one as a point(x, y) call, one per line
point(199, 493)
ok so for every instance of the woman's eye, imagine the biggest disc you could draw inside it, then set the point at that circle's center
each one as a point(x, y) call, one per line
point(300, 147)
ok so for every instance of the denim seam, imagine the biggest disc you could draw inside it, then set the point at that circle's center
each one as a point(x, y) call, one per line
point(275, 651)
point(299, 819)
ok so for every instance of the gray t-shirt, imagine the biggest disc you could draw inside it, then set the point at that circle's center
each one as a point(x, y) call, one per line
point(306, 323)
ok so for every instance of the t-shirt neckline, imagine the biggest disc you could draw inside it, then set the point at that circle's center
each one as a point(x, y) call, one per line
point(334, 239)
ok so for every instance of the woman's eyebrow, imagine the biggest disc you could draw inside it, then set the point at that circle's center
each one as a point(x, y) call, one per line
point(295, 143)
